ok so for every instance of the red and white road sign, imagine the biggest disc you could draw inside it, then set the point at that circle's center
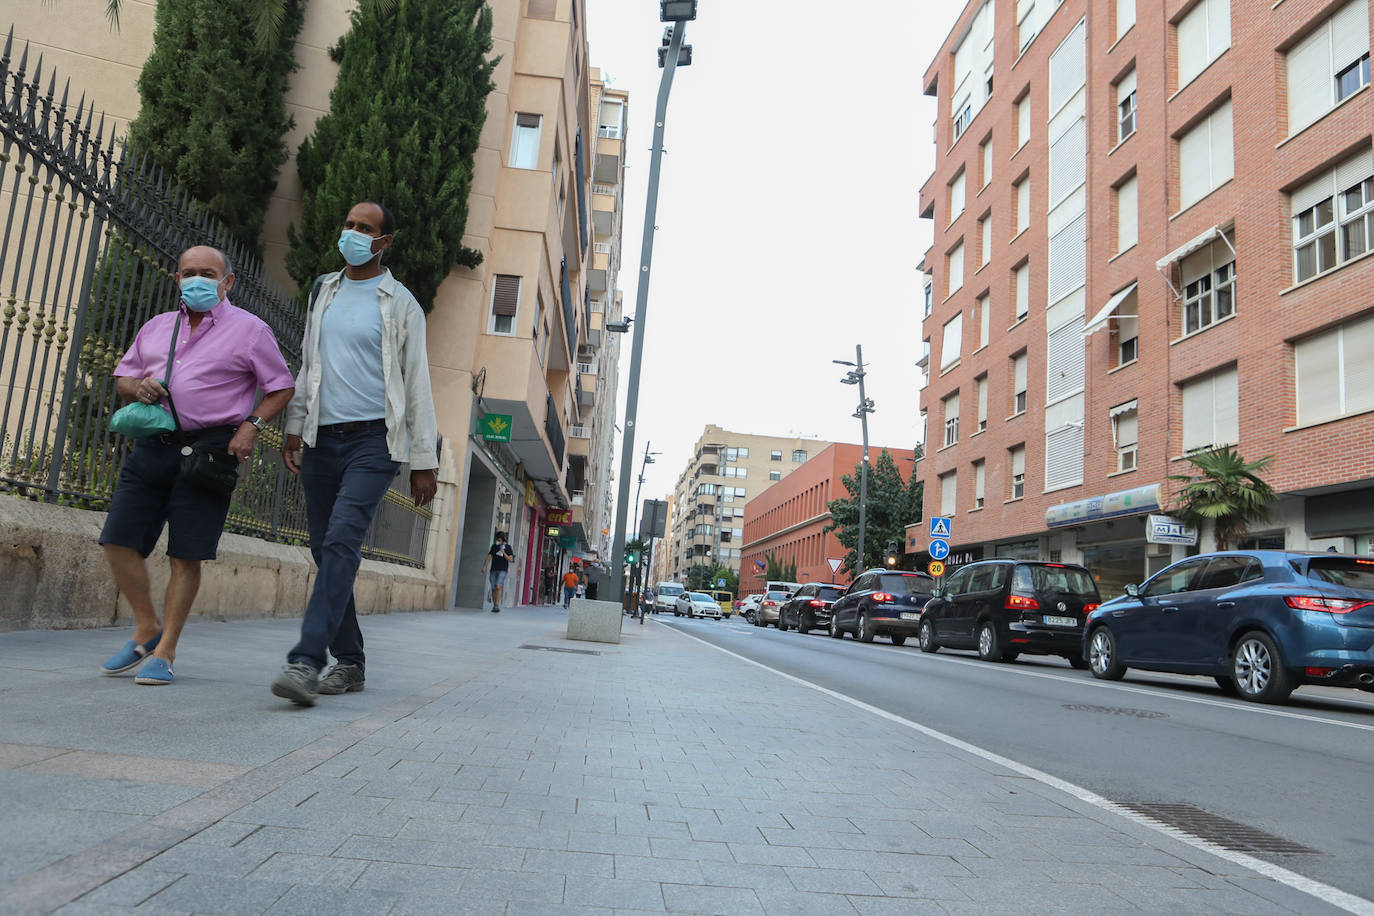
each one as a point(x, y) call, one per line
point(835, 563)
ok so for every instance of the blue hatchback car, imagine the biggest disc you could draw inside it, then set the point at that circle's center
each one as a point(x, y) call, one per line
point(1260, 622)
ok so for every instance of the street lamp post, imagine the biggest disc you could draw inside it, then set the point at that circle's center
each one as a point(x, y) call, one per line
point(679, 13)
point(855, 376)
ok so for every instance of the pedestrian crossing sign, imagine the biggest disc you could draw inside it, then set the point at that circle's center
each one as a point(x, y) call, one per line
point(939, 527)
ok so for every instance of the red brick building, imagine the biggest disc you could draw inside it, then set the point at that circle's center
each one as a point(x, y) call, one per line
point(788, 519)
point(1153, 224)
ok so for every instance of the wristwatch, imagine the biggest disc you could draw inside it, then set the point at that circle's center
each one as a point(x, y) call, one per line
point(259, 422)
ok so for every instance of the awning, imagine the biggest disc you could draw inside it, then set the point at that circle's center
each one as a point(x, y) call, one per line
point(1099, 320)
point(1179, 254)
point(1109, 505)
point(1119, 409)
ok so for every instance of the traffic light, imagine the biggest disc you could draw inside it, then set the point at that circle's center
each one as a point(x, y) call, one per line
point(631, 557)
point(892, 557)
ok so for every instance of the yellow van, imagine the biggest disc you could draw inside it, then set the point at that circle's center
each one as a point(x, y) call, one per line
point(726, 600)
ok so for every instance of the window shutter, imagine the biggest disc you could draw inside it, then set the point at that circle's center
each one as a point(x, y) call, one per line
point(1357, 363)
point(1068, 162)
point(1127, 225)
point(952, 407)
point(1125, 16)
point(1018, 374)
point(986, 254)
point(1064, 457)
point(505, 296)
point(984, 320)
point(1125, 87)
point(1197, 414)
point(1349, 35)
point(1018, 460)
point(1226, 407)
point(1194, 165)
point(983, 396)
point(1312, 193)
point(1354, 170)
point(1023, 204)
point(1317, 365)
point(987, 162)
point(1023, 120)
point(948, 486)
point(956, 196)
point(1064, 359)
point(1218, 27)
point(1067, 69)
point(1022, 290)
point(1222, 146)
point(1126, 428)
point(953, 341)
point(956, 268)
point(542, 9)
point(1068, 258)
point(1310, 82)
point(1192, 43)
point(527, 120)
point(978, 481)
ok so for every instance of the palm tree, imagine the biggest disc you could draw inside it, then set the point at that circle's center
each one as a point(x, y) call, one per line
point(1227, 491)
point(268, 15)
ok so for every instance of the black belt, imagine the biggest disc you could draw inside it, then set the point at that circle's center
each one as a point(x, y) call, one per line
point(352, 427)
point(194, 435)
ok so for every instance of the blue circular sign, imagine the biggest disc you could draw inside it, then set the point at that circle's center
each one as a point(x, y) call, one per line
point(938, 549)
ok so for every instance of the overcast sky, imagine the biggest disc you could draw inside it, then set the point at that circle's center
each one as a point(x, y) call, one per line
point(788, 232)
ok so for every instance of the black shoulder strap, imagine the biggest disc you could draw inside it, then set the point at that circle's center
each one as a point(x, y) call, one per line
point(176, 332)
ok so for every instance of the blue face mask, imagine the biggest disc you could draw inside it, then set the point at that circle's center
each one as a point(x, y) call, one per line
point(200, 293)
point(356, 247)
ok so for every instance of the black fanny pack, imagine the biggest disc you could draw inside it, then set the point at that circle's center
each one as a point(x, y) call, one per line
point(207, 465)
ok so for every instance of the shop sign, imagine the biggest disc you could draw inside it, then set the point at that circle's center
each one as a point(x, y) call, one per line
point(495, 427)
point(1162, 529)
point(559, 517)
point(1109, 505)
point(530, 497)
point(567, 541)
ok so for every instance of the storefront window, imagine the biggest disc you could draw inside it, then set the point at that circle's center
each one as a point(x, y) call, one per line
point(1114, 568)
point(1020, 550)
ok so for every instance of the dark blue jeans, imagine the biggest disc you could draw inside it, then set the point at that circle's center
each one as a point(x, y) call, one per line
point(344, 477)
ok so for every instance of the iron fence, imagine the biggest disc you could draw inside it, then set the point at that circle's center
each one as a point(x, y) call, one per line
point(92, 234)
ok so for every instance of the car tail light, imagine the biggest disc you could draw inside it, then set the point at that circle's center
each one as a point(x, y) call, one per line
point(770, 604)
point(882, 597)
point(814, 603)
point(1089, 608)
point(1322, 603)
point(1318, 672)
point(1021, 603)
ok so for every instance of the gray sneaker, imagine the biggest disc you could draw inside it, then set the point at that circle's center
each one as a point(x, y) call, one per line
point(298, 682)
point(342, 679)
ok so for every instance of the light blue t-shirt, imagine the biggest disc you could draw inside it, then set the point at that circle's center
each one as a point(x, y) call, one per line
point(351, 383)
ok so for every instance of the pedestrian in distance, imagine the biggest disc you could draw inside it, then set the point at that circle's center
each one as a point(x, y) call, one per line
point(570, 580)
point(550, 579)
point(363, 408)
point(223, 357)
point(499, 559)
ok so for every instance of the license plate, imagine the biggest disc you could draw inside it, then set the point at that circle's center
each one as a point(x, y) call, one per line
point(1062, 621)
point(906, 616)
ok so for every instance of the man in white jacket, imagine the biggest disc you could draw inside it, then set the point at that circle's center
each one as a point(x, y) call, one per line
point(363, 407)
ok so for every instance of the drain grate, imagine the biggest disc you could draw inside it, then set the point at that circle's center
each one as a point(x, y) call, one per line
point(562, 649)
point(1117, 711)
point(1219, 830)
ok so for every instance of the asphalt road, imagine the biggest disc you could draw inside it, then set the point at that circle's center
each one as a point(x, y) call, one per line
point(1303, 772)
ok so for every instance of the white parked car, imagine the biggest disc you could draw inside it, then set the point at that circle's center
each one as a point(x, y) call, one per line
point(750, 606)
point(696, 604)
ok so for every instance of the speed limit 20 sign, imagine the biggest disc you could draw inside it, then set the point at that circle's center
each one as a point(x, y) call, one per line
point(936, 568)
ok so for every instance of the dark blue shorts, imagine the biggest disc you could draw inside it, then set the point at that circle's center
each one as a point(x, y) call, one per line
point(150, 493)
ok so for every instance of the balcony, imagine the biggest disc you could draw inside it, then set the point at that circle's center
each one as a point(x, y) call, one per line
point(609, 152)
point(599, 274)
point(605, 199)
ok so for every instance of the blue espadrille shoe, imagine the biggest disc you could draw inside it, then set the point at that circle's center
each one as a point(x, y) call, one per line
point(156, 673)
point(129, 656)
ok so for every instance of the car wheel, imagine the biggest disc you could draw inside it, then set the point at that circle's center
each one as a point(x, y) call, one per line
point(1257, 668)
point(989, 646)
point(1227, 685)
point(1010, 656)
point(802, 626)
point(926, 636)
point(1103, 660)
point(690, 614)
point(835, 631)
point(782, 626)
point(898, 639)
point(865, 631)
point(1078, 662)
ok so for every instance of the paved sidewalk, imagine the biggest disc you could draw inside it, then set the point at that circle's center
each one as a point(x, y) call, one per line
point(482, 774)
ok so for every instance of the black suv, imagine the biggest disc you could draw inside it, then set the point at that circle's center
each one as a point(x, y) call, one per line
point(1005, 607)
point(881, 603)
point(809, 607)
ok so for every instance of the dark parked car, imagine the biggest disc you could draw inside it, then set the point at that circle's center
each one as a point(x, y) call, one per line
point(881, 603)
point(1005, 607)
point(1259, 622)
point(809, 607)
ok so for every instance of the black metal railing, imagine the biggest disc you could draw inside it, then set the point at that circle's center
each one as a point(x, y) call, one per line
point(553, 430)
point(92, 234)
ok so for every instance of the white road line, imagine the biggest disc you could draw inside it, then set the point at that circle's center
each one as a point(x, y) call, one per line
point(1323, 892)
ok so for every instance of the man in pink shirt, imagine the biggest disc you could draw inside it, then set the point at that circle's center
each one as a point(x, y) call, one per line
point(224, 356)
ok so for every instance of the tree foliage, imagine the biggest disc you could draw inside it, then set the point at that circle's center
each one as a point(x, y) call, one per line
point(213, 111)
point(893, 503)
point(1227, 491)
point(403, 125)
point(703, 578)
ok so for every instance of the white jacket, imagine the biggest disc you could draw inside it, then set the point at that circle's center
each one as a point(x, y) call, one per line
point(412, 432)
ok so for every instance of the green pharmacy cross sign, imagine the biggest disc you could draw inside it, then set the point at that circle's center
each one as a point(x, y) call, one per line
point(495, 427)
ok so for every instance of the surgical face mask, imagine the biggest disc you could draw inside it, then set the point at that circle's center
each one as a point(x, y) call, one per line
point(200, 293)
point(356, 247)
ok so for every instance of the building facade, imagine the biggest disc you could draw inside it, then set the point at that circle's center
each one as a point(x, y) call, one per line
point(1152, 232)
point(788, 520)
point(727, 470)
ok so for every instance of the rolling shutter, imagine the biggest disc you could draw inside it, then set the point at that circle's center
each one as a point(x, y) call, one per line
point(1317, 366)
point(1068, 162)
point(1023, 204)
point(956, 268)
point(1064, 362)
point(1127, 426)
point(956, 196)
point(1127, 224)
point(984, 320)
point(1125, 87)
point(1064, 457)
point(1226, 407)
point(505, 296)
point(982, 399)
point(1312, 193)
point(948, 487)
point(953, 341)
point(1354, 170)
point(1018, 461)
point(542, 9)
point(1192, 44)
point(1197, 414)
point(1067, 69)
point(1022, 290)
point(1349, 34)
point(1194, 165)
point(1068, 259)
point(1309, 79)
point(986, 254)
point(1218, 27)
point(1357, 364)
point(1018, 374)
point(1023, 120)
point(1221, 142)
point(987, 163)
point(978, 482)
point(1125, 16)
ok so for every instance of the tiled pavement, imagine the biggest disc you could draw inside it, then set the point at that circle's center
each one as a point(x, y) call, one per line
point(474, 776)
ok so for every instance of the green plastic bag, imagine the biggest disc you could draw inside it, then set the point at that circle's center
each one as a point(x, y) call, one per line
point(139, 420)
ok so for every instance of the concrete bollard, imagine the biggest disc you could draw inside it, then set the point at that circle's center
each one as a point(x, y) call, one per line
point(594, 621)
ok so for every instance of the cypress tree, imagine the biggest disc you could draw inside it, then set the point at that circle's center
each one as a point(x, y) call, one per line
point(403, 125)
point(214, 113)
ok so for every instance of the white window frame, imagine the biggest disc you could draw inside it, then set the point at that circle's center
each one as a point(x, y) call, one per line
point(1347, 209)
point(1019, 374)
point(492, 324)
point(775, 475)
point(1126, 436)
point(524, 141)
point(795, 453)
point(1317, 66)
point(1209, 286)
point(979, 481)
point(1016, 456)
point(949, 412)
point(612, 131)
point(1126, 104)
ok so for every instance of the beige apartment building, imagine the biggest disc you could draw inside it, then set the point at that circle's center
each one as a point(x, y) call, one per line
point(522, 335)
point(727, 469)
